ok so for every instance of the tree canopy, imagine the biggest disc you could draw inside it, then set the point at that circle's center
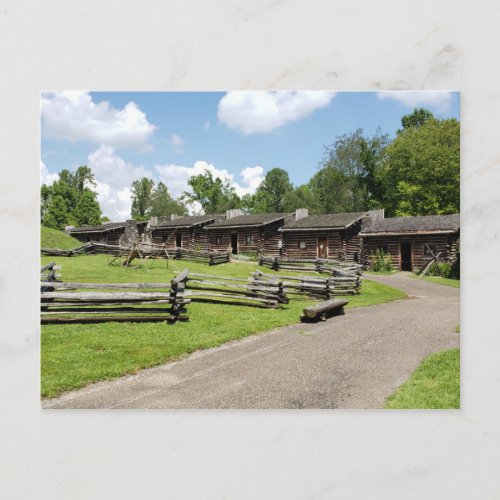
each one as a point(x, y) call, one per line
point(415, 173)
point(212, 193)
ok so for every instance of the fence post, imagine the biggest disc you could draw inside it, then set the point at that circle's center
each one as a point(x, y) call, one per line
point(178, 285)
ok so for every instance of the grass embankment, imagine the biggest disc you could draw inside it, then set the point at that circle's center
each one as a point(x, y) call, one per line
point(75, 355)
point(442, 281)
point(52, 238)
point(435, 384)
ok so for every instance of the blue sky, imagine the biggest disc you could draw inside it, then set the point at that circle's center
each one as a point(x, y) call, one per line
point(169, 136)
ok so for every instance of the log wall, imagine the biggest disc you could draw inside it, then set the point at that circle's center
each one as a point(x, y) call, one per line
point(447, 244)
point(266, 239)
point(195, 238)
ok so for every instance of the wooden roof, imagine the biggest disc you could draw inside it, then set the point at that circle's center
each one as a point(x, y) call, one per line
point(415, 225)
point(324, 222)
point(187, 221)
point(248, 221)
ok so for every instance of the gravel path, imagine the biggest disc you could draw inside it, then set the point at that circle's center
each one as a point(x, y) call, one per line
point(351, 361)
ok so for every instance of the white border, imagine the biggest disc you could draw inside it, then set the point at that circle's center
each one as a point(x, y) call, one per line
point(203, 45)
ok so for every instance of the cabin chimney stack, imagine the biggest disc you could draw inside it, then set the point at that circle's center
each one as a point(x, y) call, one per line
point(173, 216)
point(376, 215)
point(234, 212)
point(301, 213)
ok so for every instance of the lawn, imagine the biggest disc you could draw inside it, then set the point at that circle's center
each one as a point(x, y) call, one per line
point(434, 384)
point(75, 355)
point(441, 281)
point(52, 238)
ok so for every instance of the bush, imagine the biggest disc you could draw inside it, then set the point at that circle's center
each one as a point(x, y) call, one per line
point(443, 269)
point(381, 262)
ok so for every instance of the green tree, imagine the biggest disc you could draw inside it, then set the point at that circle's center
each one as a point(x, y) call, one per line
point(349, 181)
point(213, 194)
point(142, 194)
point(331, 190)
point(87, 210)
point(163, 204)
point(301, 197)
point(83, 178)
point(416, 119)
point(270, 194)
point(57, 215)
point(421, 172)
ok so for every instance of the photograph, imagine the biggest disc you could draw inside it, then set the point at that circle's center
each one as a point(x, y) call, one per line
point(250, 249)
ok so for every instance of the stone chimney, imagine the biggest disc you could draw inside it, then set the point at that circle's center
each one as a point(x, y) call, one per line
point(301, 213)
point(234, 212)
point(153, 221)
point(376, 215)
point(173, 216)
point(67, 228)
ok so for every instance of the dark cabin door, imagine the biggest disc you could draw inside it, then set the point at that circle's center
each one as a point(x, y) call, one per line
point(234, 243)
point(322, 248)
point(178, 240)
point(406, 257)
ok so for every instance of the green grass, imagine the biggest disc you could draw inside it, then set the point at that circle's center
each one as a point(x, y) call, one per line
point(434, 384)
point(441, 281)
point(52, 238)
point(75, 355)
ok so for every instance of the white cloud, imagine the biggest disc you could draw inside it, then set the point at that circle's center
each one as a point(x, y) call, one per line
point(440, 100)
point(74, 116)
point(254, 112)
point(177, 143)
point(114, 176)
point(45, 176)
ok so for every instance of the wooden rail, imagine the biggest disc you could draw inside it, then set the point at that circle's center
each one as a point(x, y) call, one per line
point(65, 302)
point(240, 291)
point(324, 266)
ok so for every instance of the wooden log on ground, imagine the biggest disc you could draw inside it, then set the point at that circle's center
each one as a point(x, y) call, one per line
point(324, 309)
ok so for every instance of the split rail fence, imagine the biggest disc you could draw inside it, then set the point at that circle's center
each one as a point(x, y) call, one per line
point(315, 286)
point(324, 266)
point(142, 250)
point(64, 302)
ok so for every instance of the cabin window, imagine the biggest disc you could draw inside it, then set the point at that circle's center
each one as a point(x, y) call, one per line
point(429, 249)
point(218, 239)
point(383, 248)
point(248, 239)
point(302, 244)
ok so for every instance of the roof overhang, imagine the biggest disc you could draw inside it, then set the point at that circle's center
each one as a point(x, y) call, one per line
point(240, 226)
point(307, 229)
point(412, 233)
point(84, 231)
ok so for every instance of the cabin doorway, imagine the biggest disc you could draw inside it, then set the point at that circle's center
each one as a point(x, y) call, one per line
point(322, 248)
point(234, 243)
point(178, 240)
point(406, 256)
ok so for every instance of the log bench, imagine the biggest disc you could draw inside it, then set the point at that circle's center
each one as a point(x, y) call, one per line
point(324, 310)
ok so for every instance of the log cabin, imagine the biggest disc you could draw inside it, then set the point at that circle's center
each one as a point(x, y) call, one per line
point(328, 236)
point(181, 232)
point(411, 241)
point(256, 233)
point(112, 233)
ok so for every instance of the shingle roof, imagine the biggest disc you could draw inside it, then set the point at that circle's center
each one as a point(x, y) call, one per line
point(326, 221)
point(187, 221)
point(416, 224)
point(248, 220)
point(108, 226)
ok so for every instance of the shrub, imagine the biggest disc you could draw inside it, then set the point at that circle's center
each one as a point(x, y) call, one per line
point(443, 269)
point(381, 262)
